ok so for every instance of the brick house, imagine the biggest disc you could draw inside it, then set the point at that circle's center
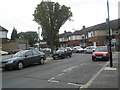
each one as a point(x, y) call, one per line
point(8, 45)
point(64, 39)
point(3, 35)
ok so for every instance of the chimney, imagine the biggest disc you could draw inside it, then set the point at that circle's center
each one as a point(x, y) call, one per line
point(65, 31)
point(83, 27)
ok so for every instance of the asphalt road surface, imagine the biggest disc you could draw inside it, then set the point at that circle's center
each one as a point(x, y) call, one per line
point(64, 73)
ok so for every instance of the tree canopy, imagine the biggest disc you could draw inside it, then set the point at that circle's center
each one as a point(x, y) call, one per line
point(32, 37)
point(51, 16)
point(14, 34)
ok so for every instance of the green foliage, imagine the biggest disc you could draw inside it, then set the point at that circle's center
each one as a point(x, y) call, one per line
point(32, 37)
point(51, 16)
point(14, 34)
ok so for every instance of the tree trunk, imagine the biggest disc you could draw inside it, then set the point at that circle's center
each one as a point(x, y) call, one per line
point(51, 46)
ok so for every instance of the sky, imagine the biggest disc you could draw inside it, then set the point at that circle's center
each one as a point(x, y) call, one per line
point(18, 14)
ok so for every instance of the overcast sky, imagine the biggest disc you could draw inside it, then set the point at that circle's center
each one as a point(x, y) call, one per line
point(18, 14)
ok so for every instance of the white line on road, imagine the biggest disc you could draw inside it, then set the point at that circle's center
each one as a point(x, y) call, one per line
point(53, 81)
point(75, 84)
point(52, 78)
point(69, 69)
point(61, 74)
point(94, 77)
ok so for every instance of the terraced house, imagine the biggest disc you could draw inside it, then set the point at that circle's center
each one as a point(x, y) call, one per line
point(96, 35)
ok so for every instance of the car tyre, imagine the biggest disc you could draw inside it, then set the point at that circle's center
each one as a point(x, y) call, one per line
point(5, 69)
point(93, 59)
point(20, 65)
point(54, 58)
point(41, 61)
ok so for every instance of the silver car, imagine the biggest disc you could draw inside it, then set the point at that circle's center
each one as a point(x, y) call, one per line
point(90, 49)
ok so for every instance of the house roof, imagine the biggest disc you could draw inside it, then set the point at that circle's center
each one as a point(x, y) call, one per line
point(3, 29)
point(65, 34)
point(78, 32)
point(114, 24)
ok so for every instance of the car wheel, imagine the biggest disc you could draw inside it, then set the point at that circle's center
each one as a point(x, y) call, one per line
point(41, 61)
point(20, 65)
point(5, 69)
point(54, 58)
point(70, 55)
point(93, 59)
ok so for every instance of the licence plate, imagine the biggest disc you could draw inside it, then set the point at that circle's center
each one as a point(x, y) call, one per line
point(98, 57)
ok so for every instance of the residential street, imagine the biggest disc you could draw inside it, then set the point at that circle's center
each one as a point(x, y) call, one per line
point(64, 73)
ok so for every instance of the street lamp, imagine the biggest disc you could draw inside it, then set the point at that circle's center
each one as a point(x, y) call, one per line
point(108, 22)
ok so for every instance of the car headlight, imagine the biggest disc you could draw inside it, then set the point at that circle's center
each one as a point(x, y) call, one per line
point(11, 61)
point(104, 55)
point(93, 54)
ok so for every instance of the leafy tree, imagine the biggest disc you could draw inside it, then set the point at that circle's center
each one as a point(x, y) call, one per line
point(51, 16)
point(32, 37)
point(14, 34)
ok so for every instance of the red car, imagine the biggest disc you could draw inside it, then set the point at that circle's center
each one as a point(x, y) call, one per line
point(101, 53)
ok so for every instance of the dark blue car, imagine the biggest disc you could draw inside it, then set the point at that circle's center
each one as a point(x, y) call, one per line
point(23, 58)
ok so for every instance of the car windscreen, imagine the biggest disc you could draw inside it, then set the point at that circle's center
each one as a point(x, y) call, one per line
point(101, 49)
point(60, 51)
point(19, 54)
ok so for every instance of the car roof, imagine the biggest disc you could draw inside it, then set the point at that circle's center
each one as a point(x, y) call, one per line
point(102, 46)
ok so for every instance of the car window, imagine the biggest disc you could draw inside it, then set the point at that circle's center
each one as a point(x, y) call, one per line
point(101, 50)
point(19, 54)
point(29, 53)
point(35, 52)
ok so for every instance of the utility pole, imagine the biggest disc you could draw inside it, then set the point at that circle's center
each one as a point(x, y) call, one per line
point(39, 36)
point(108, 22)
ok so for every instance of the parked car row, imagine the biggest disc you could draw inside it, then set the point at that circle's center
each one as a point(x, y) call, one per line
point(25, 58)
point(78, 49)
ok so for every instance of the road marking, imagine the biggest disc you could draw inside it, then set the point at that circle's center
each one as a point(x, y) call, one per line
point(110, 68)
point(61, 74)
point(75, 84)
point(55, 81)
point(69, 69)
point(94, 77)
point(52, 78)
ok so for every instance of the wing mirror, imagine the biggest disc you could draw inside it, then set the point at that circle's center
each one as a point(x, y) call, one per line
point(26, 55)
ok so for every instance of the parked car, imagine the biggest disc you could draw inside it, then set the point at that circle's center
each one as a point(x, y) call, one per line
point(45, 49)
point(69, 48)
point(90, 49)
point(3, 52)
point(62, 53)
point(101, 53)
point(23, 58)
point(14, 51)
point(78, 49)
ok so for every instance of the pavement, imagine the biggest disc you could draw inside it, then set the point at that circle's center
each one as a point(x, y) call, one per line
point(106, 77)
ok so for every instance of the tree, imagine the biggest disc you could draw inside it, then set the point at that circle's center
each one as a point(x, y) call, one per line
point(30, 36)
point(14, 34)
point(51, 16)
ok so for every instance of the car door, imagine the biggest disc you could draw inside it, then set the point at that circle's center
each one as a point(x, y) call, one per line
point(29, 57)
point(36, 56)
